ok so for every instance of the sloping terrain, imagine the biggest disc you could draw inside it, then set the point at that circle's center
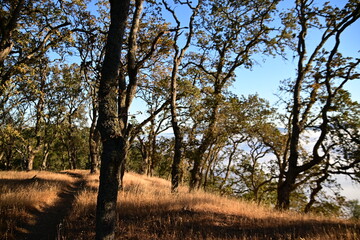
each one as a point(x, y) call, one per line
point(34, 204)
point(147, 210)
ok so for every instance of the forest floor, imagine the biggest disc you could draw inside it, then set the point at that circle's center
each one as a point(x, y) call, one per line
point(44, 205)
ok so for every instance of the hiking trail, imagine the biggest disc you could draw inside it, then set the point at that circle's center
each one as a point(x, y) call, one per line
point(49, 221)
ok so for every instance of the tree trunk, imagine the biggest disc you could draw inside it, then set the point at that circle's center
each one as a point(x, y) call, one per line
point(44, 161)
point(207, 141)
point(123, 164)
point(177, 59)
point(176, 165)
point(176, 170)
point(110, 126)
point(94, 141)
point(30, 158)
point(284, 191)
point(106, 216)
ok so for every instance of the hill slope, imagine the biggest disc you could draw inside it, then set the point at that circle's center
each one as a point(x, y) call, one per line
point(147, 210)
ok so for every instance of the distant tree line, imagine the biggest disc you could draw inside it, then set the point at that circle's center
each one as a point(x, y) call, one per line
point(70, 70)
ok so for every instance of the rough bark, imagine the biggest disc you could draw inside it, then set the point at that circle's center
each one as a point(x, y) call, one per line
point(110, 126)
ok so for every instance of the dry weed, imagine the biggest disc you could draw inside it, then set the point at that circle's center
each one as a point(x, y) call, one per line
point(25, 193)
point(147, 210)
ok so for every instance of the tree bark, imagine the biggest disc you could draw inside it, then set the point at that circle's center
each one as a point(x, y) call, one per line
point(110, 126)
point(284, 190)
point(198, 156)
point(94, 142)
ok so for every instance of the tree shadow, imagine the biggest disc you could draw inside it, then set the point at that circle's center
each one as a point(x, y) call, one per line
point(48, 224)
point(187, 224)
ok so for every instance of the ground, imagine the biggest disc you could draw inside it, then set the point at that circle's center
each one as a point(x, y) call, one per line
point(43, 205)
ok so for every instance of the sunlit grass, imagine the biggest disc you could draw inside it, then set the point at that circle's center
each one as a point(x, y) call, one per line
point(147, 210)
point(23, 193)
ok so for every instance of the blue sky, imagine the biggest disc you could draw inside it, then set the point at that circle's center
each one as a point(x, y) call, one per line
point(265, 78)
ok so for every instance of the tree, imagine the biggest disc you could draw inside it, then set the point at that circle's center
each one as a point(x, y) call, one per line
point(354, 208)
point(29, 30)
point(89, 44)
point(112, 121)
point(135, 60)
point(117, 90)
point(228, 38)
point(177, 59)
point(321, 74)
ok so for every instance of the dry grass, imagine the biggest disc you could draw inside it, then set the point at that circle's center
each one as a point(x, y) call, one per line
point(147, 210)
point(25, 193)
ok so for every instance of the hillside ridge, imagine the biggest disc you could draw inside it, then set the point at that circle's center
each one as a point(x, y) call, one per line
point(147, 210)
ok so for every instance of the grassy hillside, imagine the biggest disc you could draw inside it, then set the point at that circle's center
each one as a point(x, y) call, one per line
point(41, 205)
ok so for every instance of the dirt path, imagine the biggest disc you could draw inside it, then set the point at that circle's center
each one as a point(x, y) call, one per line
point(49, 221)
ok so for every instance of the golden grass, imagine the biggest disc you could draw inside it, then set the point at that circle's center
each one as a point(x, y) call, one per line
point(23, 194)
point(147, 210)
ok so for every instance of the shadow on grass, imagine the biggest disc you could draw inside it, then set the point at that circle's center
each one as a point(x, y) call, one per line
point(48, 223)
point(15, 184)
point(187, 224)
point(162, 223)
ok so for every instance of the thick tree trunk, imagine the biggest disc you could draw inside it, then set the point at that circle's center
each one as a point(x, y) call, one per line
point(106, 216)
point(283, 196)
point(110, 126)
point(198, 156)
point(195, 175)
point(285, 189)
point(32, 151)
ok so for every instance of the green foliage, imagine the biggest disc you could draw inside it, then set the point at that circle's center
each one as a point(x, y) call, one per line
point(50, 66)
point(354, 208)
